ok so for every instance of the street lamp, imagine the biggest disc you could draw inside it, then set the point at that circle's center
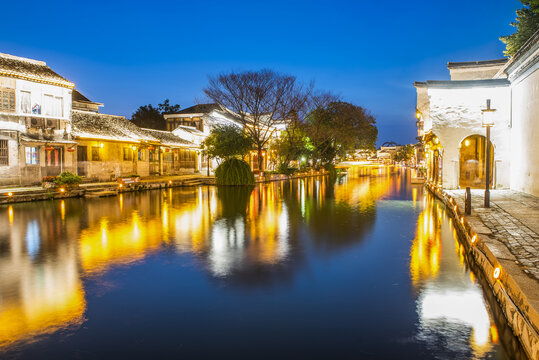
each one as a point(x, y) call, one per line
point(487, 121)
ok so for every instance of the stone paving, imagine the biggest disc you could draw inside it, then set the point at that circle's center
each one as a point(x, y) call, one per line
point(512, 219)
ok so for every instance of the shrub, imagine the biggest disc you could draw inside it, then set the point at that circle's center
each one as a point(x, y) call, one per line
point(234, 172)
point(67, 178)
point(285, 170)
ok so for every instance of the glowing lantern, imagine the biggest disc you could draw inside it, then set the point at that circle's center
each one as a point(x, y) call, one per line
point(49, 148)
point(71, 149)
point(496, 273)
point(62, 190)
point(101, 145)
point(10, 194)
point(474, 239)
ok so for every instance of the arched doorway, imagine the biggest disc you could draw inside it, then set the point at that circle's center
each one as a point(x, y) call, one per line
point(472, 162)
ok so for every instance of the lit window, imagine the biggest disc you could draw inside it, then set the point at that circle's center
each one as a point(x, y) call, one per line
point(31, 155)
point(96, 155)
point(26, 102)
point(141, 155)
point(4, 152)
point(7, 100)
point(128, 154)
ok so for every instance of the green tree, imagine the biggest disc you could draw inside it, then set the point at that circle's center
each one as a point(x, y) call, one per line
point(527, 23)
point(405, 153)
point(261, 99)
point(148, 116)
point(227, 141)
point(339, 127)
point(292, 145)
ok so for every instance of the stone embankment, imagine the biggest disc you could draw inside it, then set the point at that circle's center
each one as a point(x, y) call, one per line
point(503, 241)
point(103, 189)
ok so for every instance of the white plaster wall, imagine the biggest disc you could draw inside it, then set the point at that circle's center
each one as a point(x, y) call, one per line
point(423, 105)
point(38, 91)
point(475, 73)
point(525, 134)
point(455, 113)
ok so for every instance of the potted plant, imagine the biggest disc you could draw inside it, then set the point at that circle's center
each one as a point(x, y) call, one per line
point(67, 180)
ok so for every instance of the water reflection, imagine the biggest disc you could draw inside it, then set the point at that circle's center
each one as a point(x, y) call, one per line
point(450, 304)
point(242, 238)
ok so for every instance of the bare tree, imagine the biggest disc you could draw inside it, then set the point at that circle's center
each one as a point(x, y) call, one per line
point(262, 100)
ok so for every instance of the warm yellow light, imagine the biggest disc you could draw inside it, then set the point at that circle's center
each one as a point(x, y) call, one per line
point(496, 273)
point(494, 333)
point(474, 238)
point(134, 147)
point(120, 186)
point(462, 220)
point(455, 208)
point(418, 114)
point(436, 140)
point(101, 145)
point(10, 194)
point(170, 182)
point(466, 142)
point(62, 190)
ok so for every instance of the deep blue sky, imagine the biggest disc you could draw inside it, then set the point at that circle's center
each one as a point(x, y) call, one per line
point(131, 53)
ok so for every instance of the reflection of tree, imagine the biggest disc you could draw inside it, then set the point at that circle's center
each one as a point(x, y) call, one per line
point(234, 200)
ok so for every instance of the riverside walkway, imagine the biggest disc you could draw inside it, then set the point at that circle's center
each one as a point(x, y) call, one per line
point(506, 249)
point(512, 220)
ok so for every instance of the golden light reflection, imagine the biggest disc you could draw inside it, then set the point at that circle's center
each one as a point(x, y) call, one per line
point(48, 297)
point(426, 248)
point(447, 303)
point(10, 214)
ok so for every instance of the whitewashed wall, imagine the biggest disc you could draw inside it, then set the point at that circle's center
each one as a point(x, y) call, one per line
point(525, 134)
point(455, 113)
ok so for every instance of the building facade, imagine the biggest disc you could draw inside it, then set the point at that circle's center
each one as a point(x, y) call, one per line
point(450, 115)
point(35, 121)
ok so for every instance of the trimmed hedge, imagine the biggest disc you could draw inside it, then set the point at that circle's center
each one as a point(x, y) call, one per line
point(234, 172)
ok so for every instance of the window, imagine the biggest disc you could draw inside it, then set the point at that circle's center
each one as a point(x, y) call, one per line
point(128, 154)
point(32, 155)
point(96, 155)
point(48, 104)
point(26, 102)
point(58, 107)
point(7, 100)
point(141, 155)
point(4, 152)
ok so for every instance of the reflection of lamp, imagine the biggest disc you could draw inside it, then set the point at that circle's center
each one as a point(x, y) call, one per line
point(487, 121)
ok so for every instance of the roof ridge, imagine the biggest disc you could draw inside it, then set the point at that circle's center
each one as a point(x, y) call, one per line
point(20, 58)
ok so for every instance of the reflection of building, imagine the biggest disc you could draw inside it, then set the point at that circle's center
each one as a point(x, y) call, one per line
point(41, 290)
point(450, 308)
point(450, 122)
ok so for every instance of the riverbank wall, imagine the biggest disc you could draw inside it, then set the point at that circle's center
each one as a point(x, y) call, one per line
point(514, 291)
point(104, 189)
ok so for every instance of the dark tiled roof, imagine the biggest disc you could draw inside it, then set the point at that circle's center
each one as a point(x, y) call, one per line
point(107, 127)
point(168, 138)
point(199, 109)
point(29, 69)
point(497, 62)
point(77, 96)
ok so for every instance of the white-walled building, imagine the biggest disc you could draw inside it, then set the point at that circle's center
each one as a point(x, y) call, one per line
point(450, 122)
point(35, 121)
point(196, 122)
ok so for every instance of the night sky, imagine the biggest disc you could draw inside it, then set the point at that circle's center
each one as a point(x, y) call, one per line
point(126, 54)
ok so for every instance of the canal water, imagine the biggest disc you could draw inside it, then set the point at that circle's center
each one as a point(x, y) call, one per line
point(368, 267)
